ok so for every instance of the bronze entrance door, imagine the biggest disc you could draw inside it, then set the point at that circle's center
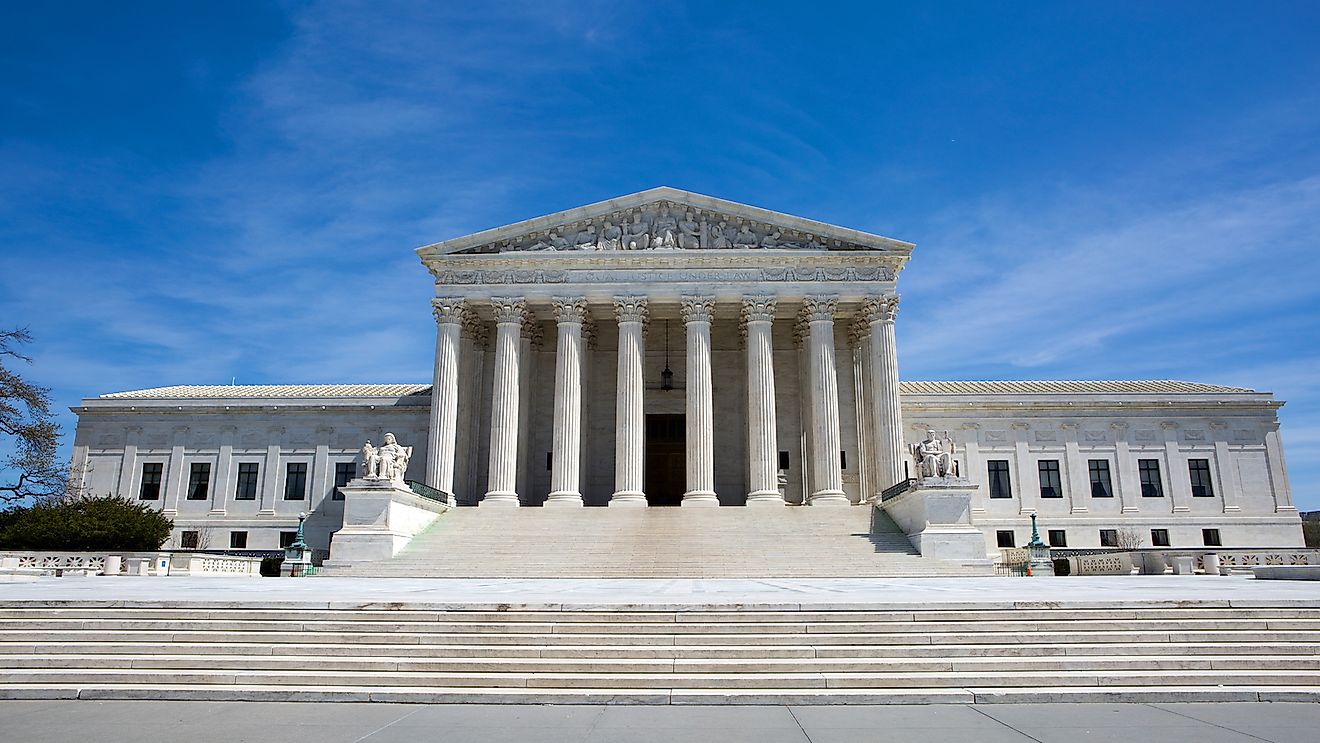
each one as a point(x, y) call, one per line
point(666, 459)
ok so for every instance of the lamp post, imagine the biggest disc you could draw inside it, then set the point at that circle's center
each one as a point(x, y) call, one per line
point(298, 556)
point(1038, 553)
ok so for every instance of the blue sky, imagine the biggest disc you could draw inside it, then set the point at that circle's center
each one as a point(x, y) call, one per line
point(192, 193)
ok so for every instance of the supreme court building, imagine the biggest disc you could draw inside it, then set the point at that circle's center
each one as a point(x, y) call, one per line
point(671, 349)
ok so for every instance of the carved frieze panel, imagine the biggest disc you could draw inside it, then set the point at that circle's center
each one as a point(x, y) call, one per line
point(462, 277)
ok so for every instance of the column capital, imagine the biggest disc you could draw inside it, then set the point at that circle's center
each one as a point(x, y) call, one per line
point(631, 309)
point(758, 308)
point(820, 307)
point(570, 309)
point(531, 331)
point(879, 309)
point(509, 309)
point(449, 309)
point(697, 308)
point(858, 331)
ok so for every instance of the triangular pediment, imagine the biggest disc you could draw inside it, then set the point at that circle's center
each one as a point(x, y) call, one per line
point(663, 219)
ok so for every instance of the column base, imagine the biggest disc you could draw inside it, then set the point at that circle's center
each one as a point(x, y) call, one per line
point(828, 498)
point(628, 500)
point(563, 500)
point(505, 500)
point(701, 498)
point(765, 498)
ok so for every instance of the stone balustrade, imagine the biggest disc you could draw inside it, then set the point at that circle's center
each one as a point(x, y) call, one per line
point(108, 563)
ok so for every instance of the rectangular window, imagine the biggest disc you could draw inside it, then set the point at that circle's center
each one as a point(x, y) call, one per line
point(1159, 537)
point(783, 460)
point(1109, 537)
point(189, 539)
point(199, 480)
point(1210, 537)
point(1101, 484)
point(295, 481)
point(999, 485)
point(151, 474)
point(247, 481)
point(843, 460)
point(1057, 538)
point(549, 461)
point(1149, 469)
point(287, 537)
point(1050, 484)
point(1004, 538)
point(1200, 472)
point(237, 540)
point(344, 471)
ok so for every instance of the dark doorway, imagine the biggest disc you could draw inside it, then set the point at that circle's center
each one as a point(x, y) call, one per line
point(666, 459)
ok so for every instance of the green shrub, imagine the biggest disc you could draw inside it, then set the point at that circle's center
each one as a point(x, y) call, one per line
point(87, 524)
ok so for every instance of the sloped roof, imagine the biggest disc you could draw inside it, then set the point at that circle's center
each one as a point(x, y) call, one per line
point(1007, 387)
point(1067, 387)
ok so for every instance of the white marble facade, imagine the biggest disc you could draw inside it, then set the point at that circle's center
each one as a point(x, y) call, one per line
point(551, 338)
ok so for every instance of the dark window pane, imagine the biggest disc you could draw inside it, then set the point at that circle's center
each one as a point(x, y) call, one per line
point(1109, 537)
point(1057, 538)
point(287, 537)
point(1005, 538)
point(344, 472)
point(999, 483)
point(151, 474)
point(237, 540)
point(1210, 537)
point(1149, 470)
point(1199, 469)
point(1101, 484)
point(295, 481)
point(783, 460)
point(1159, 537)
point(1050, 484)
point(247, 481)
point(199, 480)
point(188, 540)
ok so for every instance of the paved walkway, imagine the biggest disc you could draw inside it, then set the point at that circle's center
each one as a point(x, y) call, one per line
point(671, 594)
point(199, 722)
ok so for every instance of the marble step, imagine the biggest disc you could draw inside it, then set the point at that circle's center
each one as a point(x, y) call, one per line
point(693, 680)
point(478, 664)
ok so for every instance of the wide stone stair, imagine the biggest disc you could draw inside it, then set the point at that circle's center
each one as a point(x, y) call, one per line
point(790, 542)
point(410, 653)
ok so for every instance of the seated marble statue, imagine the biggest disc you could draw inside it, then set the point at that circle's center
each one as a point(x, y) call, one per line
point(745, 238)
point(586, 239)
point(638, 234)
point(610, 236)
point(689, 233)
point(934, 456)
point(386, 462)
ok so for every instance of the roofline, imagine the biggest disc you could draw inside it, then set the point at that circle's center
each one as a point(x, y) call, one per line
point(659, 193)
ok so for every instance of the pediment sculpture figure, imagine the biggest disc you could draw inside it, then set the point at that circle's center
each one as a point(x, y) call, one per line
point(610, 236)
point(745, 238)
point(638, 234)
point(664, 231)
point(689, 233)
point(933, 455)
point(586, 239)
point(719, 237)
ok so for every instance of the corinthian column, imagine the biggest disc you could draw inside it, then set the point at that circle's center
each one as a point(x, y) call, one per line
point(628, 420)
point(442, 434)
point(758, 314)
point(887, 410)
point(503, 471)
point(697, 312)
point(828, 481)
point(565, 468)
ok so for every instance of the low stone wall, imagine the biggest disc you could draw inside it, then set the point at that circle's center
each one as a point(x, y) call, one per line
point(157, 564)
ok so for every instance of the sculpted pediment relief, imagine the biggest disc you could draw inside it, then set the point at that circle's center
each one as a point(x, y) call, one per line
point(664, 219)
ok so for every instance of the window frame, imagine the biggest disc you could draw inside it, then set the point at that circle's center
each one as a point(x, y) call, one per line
point(1000, 534)
point(340, 468)
point(1050, 468)
point(156, 480)
point(196, 538)
point(295, 472)
point(238, 536)
point(196, 484)
point(1200, 468)
point(1144, 467)
point(253, 483)
point(1160, 535)
point(1095, 468)
point(993, 474)
point(1112, 535)
point(1062, 540)
point(1206, 540)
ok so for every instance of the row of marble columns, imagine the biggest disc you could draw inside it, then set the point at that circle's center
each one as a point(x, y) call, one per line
point(815, 324)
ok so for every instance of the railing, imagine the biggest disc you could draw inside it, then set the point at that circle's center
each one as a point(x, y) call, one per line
point(896, 489)
point(426, 491)
point(127, 563)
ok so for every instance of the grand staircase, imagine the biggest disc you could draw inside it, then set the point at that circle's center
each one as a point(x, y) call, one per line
point(658, 542)
point(217, 651)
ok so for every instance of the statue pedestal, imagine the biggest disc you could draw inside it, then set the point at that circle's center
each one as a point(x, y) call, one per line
point(380, 517)
point(936, 515)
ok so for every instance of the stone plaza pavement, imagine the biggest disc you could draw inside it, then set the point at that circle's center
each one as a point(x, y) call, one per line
point(233, 722)
point(695, 594)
